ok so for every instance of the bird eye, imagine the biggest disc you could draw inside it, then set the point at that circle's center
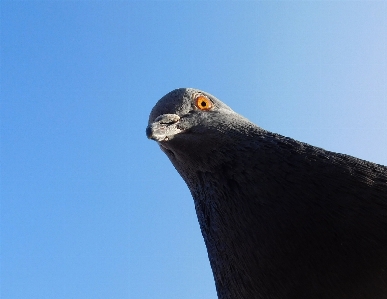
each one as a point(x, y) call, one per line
point(203, 103)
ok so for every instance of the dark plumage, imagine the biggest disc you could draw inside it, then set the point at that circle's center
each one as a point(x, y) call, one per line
point(280, 218)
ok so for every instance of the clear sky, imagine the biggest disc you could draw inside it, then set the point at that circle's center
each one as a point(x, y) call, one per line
point(92, 209)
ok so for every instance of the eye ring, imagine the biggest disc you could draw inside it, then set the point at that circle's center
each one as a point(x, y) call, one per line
point(203, 103)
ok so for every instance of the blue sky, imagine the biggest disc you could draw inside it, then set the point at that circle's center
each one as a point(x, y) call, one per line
point(92, 209)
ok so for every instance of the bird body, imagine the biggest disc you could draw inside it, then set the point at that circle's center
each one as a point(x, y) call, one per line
point(281, 219)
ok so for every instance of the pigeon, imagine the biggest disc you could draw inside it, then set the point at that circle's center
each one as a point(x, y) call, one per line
point(281, 219)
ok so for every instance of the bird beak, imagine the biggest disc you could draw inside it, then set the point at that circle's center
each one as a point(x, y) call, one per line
point(164, 127)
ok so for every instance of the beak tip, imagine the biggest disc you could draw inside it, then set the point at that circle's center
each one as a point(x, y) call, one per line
point(148, 132)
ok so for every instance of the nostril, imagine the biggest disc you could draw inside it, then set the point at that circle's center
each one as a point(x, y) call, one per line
point(167, 119)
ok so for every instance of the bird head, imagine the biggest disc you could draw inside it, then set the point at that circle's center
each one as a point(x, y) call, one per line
point(189, 125)
point(184, 111)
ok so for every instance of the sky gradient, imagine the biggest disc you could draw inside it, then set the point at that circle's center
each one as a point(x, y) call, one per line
point(92, 209)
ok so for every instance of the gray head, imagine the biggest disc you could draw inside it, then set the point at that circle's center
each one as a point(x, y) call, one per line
point(190, 125)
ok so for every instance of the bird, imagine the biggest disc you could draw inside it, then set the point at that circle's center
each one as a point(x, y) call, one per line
point(281, 219)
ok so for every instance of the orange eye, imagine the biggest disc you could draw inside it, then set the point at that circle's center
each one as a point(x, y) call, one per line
point(203, 103)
